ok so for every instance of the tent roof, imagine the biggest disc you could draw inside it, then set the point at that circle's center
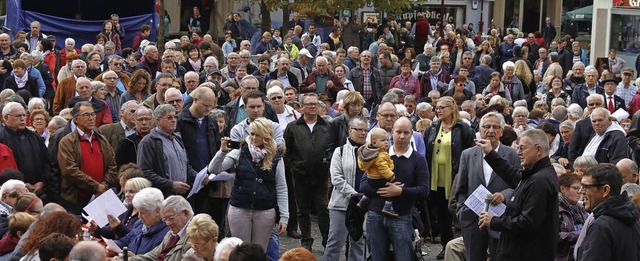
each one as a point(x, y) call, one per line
point(580, 14)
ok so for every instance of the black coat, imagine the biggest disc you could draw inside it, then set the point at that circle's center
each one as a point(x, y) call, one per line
point(581, 135)
point(31, 85)
point(613, 147)
point(187, 125)
point(127, 150)
point(339, 131)
point(461, 139)
point(530, 225)
point(614, 233)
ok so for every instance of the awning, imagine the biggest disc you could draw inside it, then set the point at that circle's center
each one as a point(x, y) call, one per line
point(580, 14)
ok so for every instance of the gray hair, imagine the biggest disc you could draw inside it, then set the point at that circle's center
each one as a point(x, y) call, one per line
point(559, 112)
point(575, 110)
point(6, 110)
point(390, 97)
point(508, 64)
point(559, 101)
point(178, 203)
point(630, 188)
point(597, 96)
point(485, 59)
point(33, 102)
point(569, 124)
point(493, 114)
point(537, 137)
point(321, 59)
point(126, 105)
point(75, 111)
point(162, 110)
point(95, 85)
point(87, 251)
point(10, 185)
point(355, 121)
point(554, 57)
point(423, 106)
point(212, 59)
point(520, 109)
point(171, 91)
point(607, 113)
point(435, 59)
point(110, 44)
point(247, 78)
point(215, 113)
point(226, 243)
point(274, 90)
point(58, 121)
point(115, 58)
point(585, 161)
point(77, 62)
point(352, 49)
point(591, 69)
point(305, 38)
point(467, 102)
point(149, 199)
point(70, 41)
point(520, 103)
point(98, 48)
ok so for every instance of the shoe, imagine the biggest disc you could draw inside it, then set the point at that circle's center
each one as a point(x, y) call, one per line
point(364, 203)
point(388, 210)
point(440, 255)
point(294, 234)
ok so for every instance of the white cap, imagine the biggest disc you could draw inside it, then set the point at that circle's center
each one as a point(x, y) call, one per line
point(306, 52)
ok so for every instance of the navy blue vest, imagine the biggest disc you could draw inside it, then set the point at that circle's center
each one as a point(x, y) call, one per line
point(254, 188)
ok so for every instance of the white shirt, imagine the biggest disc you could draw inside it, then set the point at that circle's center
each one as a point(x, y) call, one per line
point(486, 168)
point(406, 154)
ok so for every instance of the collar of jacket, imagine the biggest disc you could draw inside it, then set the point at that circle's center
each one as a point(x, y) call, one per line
point(319, 120)
point(541, 164)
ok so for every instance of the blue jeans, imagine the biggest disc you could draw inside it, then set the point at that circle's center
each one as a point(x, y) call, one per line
point(383, 230)
point(273, 248)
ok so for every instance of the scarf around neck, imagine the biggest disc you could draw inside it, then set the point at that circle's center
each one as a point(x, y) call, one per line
point(22, 81)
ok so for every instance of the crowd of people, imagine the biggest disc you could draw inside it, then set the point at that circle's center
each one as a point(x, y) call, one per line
point(384, 132)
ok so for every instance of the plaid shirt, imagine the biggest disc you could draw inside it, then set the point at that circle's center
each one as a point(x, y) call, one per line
point(626, 93)
point(367, 91)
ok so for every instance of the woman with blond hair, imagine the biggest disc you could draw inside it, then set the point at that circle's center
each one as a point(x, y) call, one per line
point(485, 49)
point(139, 89)
point(523, 73)
point(259, 189)
point(445, 139)
point(203, 237)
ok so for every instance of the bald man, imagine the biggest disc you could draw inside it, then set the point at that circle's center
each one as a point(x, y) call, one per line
point(629, 170)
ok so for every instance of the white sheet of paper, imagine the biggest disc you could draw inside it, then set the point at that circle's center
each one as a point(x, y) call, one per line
point(197, 184)
point(222, 176)
point(620, 114)
point(475, 202)
point(107, 203)
point(112, 245)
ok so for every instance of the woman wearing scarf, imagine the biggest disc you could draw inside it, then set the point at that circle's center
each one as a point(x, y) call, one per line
point(20, 80)
point(259, 189)
point(572, 215)
point(496, 87)
point(193, 63)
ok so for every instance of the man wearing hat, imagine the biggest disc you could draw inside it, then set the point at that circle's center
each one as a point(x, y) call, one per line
point(626, 88)
point(304, 62)
point(612, 102)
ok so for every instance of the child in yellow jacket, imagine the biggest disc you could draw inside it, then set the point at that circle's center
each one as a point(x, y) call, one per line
point(375, 161)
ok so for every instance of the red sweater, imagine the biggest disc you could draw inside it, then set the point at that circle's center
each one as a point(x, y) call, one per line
point(6, 158)
point(92, 161)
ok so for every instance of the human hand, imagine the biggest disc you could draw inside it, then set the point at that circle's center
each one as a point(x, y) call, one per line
point(113, 221)
point(312, 87)
point(330, 84)
point(498, 198)
point(224, 144)
point(92, 226)
point(485, 145)
point(282, 228)
point(484, 220)
point(101, 189)
point(391, 189)
point(563, 161)
point(37, 188)
point(180, 187)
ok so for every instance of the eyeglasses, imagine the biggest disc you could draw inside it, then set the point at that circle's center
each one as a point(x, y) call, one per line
point(276, 98)
point(387, 116)
point(132, 111)
point(172, 102)
point(170, 219)
point(143, 119)
point(523, 148)
point(584, 187)
point(488, 127)
point(441, 107)
point(87, 115)
point(117, 64)
point(172, 117)
point(21, 116)
point(359, 130)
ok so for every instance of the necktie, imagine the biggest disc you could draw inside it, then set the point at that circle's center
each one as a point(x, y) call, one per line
point(611, 109)
point(172, 243)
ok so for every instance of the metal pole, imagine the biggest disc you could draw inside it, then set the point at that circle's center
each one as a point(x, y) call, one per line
point(442, 19)
point(481, 23)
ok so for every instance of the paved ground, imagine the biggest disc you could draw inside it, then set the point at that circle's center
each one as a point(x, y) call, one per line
point(287, 243)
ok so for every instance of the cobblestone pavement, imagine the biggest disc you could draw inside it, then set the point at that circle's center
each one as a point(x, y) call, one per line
point(287, 243)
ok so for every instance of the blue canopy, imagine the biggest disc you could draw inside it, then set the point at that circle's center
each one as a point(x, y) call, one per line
point(82, 31)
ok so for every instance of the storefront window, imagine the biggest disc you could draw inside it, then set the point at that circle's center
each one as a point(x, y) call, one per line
point(624, 33)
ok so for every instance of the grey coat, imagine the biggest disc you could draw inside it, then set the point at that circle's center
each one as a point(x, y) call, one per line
point(343, 175)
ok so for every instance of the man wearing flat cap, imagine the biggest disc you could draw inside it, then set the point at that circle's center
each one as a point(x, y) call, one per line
point(627, 88)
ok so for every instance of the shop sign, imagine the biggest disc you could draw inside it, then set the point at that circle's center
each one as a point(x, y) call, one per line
point(431, 13)
point(629, 3)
